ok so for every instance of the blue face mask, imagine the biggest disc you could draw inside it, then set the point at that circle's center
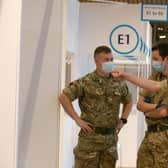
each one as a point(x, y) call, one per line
point(107, 66)
point(157, 66)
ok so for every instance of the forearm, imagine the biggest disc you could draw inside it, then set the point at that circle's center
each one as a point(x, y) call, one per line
point(158, 113)
point(67, 105)
point(145, 107)
point(126, 110)
point(143, 83)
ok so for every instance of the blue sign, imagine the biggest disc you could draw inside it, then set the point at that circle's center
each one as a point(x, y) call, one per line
point(154, 12)
point(124, 39)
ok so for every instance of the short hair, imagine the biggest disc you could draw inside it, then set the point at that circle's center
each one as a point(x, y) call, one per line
point(163, 49)
point(102, 49)
point(155, 47)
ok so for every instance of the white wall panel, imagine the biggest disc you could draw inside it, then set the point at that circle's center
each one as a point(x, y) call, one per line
point(10, 18)
point(40, 79)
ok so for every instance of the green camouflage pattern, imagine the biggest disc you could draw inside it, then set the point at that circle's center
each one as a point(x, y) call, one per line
point(156, 97)
point(164, 85)
point(99, 98)
point(153, 152)
point(99, 101)
point(96, 151)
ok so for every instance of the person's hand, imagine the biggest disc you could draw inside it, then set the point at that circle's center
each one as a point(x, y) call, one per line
point(119, 126)
point(119, 75)
point(85, 126)
point(158, 113)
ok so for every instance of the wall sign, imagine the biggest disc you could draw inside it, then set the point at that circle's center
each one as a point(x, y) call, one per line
point(154, 12)
point(124, 39)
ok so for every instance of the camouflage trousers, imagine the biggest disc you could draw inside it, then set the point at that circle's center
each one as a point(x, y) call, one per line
point(153, 152)
point(96, 151)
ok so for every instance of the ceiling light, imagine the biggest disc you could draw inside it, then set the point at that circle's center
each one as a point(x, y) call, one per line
point(162, 36)
point(160, 28)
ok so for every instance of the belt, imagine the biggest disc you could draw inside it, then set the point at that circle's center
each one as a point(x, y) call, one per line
point(157, 128)
point(104, 130)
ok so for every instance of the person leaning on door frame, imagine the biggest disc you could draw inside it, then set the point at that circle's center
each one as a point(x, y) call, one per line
point(99, 98)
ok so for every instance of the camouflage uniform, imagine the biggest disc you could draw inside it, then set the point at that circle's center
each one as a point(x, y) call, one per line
point(99, 101)
point(153, 152)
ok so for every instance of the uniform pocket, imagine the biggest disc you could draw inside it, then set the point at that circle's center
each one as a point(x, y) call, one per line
point(86, 159)
point(90, 142)
point(84, 154)
point(112, 147)
point(112, 151)
point(94, 91)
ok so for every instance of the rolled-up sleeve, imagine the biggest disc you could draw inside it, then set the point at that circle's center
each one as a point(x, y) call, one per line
point(164, 89)
point(74, 90)
point(143, 93)
point(146, 93)
point(164, 85)
point(126, 95)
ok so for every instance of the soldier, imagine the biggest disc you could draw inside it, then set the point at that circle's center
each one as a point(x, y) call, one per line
point(149, 101)
point(153, 152)
point(99, 98)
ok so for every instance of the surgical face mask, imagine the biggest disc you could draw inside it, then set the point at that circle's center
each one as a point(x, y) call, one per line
point(107, 66)
point(157, 66)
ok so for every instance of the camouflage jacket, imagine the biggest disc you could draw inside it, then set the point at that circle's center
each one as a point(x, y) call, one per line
point(156, 97)
point(99, 98)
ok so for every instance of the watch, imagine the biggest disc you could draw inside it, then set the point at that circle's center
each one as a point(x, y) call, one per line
point(124, 120)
